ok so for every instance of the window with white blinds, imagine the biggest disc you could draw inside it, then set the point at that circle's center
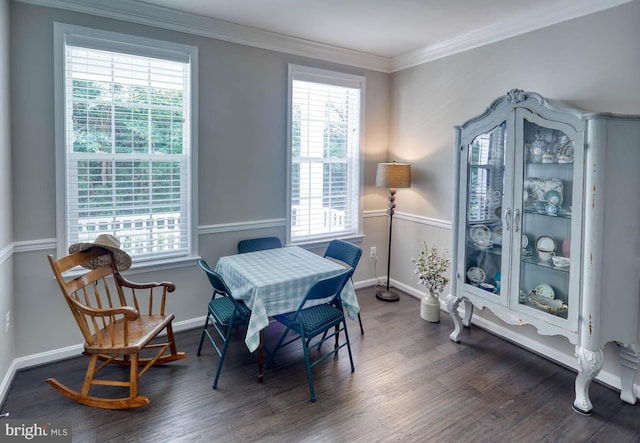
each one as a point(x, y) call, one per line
point(127, 144)
point(325, 115)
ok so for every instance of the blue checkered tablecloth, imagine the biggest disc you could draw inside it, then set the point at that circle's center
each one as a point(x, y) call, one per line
point(275, 281)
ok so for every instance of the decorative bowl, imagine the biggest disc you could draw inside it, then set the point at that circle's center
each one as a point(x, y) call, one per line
point(551, 306)
point(476, 275)
point(488, 287)
point(543, 290)
point(561, 262)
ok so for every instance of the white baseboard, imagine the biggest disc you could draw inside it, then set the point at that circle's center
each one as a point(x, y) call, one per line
point(6, 383)
point(52, 356)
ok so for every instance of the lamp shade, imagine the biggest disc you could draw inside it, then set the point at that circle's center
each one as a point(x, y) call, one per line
point(393, 175)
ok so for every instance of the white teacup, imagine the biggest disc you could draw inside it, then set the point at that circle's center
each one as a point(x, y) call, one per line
point(548, 157)
point(484, 243)
point(546, 255)
point(564, 159)
point(561, 262)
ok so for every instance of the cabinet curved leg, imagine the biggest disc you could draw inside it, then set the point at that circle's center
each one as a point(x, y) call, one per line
point(629, 364)
point(452, 303)
point(468, 313)
point(589, 365)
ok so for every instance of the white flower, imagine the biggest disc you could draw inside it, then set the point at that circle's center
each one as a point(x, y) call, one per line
point(431, 269)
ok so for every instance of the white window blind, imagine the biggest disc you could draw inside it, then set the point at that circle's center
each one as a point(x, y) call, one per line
point(325, 121)
point(486, 174)
point(127, 147)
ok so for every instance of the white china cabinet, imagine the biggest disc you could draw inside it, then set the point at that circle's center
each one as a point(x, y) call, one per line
point(546, 228)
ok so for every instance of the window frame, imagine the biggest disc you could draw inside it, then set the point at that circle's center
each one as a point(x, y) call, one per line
point(118, 42)
point(317, 75)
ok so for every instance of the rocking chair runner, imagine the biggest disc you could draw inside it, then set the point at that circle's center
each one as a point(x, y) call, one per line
point(114, 328)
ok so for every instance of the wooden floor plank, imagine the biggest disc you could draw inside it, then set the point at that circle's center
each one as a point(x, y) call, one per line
point(411, 384)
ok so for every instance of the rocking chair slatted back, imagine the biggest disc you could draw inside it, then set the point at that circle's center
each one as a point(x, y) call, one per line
point(86, 295)
point(107, 309)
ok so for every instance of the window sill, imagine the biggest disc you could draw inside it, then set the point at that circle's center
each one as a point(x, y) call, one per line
point(148, 266)
point(161, 265)
point(323, 243)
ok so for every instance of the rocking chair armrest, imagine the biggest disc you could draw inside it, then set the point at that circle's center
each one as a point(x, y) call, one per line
point(129, 312)
point(133, 285)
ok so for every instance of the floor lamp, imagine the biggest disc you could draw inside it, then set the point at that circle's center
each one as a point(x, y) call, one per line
point(391, 175)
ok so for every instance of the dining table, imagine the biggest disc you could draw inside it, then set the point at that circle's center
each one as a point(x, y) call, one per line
point(275, 281)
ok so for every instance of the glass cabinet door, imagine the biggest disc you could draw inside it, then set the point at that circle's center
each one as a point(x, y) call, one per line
point(545, 220)
point(485, 192)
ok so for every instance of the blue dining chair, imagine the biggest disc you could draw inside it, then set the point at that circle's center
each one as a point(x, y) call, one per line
point(223, 314)
point(347, 253)
point(309, 322)
point(258, 244)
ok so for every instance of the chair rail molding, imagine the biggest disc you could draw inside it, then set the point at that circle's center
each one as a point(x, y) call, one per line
point(46, 244)
point(419, 219)
point(34, 245)
point(6, 252)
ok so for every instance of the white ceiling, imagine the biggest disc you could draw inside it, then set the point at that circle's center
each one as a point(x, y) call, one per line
point(391, 28)
point(382, 35)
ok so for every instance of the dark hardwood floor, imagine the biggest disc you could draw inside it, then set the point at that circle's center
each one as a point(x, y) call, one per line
point(411, 384)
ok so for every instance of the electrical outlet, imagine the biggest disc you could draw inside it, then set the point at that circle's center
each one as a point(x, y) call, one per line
point(373, 252)
point(7, 322)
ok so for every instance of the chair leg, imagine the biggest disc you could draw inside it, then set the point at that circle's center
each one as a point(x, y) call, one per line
point(132, 401)
point(346, 336)
point(227, 337)
point(307, 363)
point(277, 347)
point(88, 378)
point(361, 332)
point(204, 330)
point(133, 376)
point(172, 341)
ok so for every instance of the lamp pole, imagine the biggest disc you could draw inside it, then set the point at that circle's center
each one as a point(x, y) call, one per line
point(388, 295)
point(391, 175)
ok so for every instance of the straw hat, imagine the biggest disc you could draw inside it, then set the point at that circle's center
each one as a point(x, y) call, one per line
point(108, 242)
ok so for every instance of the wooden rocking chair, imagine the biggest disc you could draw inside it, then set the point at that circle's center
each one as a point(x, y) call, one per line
point(107, 310)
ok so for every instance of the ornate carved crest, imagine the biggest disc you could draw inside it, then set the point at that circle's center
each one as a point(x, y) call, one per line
point(516, 96)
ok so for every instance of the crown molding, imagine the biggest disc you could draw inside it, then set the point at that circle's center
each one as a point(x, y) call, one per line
point(534, 19)
point(166, 18)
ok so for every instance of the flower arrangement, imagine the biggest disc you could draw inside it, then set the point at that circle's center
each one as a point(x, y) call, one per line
point(431, 268)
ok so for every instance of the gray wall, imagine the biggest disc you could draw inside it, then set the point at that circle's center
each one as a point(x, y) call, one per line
point(242, 161)
point(591, 62)
point(6, 262)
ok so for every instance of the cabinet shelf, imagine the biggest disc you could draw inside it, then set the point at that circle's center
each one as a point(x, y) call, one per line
point(486, 166)
point(561, 214)
point(550, 165)
point(532, 260)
